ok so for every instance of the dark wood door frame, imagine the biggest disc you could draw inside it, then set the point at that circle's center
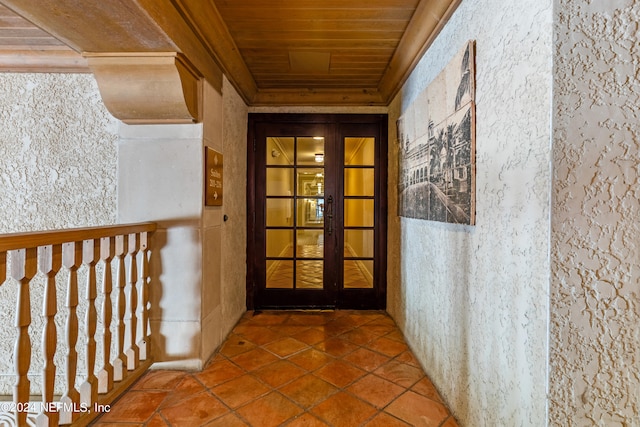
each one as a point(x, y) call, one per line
point(340, 123)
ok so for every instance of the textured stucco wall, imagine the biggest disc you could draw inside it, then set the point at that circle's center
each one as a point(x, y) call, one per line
point(66, 162)
point(473, 300)
point(595, 314)
point(225, 242)
point(160, 173)
point(198, 261)
point(57, 153)
point(58, 159)
point(234, 230)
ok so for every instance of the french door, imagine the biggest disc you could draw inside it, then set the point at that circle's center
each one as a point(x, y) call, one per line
point(316, 211)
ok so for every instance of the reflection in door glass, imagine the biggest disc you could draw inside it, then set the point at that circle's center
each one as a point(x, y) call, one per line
point(358, 274)
point(280, 151)
point(310, 182)
point(310, 212)
point(279, 243)
point(310, 244)
point(358, 213)
point(279, 212)
point(358, 243)
point(279, 182)
point(310, 209)
point(309, 274)
point(359, 182)
point(359, 151)
point(279, 274)
point(310, 151)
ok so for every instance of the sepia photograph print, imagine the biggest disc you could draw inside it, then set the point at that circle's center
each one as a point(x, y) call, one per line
point(436, 137)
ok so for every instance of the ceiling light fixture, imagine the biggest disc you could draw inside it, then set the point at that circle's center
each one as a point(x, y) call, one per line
point(319, 157)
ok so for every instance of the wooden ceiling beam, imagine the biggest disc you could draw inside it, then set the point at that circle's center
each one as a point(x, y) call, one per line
point(174, 21)
point(95, 25)
point(284, 5)
point(147, 60)
point(39, 61)
point(204, 20)
point(318, 97)
point(320, 13)
point(148, 88)
point(98, 26)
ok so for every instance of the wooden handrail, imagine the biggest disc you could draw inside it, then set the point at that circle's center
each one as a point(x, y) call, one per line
point(59, 255)
point(14, 241)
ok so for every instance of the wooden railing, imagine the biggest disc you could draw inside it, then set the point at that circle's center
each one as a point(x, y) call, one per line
point(124, 309)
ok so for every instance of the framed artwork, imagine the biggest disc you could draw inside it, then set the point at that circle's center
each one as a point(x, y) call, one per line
point(213, 182)
point(436, 145)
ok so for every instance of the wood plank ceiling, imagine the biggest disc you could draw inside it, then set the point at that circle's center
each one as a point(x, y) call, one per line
point(338, 44)
point(277, 52)
point(26, 48)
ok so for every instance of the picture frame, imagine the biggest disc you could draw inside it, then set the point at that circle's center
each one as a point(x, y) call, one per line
point(436, 146)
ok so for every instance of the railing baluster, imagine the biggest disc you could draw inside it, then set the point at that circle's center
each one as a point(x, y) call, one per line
point(125, 309)
point(133, 354)
point(89, 389)
point(49, 263)
point(105, 376)
point(23, 268)
point(144, 343)
point(71, 259)
point(120, 364)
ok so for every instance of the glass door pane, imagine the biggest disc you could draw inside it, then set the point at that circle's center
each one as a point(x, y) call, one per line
point(359, 214)
point(294, 213)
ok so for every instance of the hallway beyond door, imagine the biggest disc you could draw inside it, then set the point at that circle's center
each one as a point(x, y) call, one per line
point(293, 368)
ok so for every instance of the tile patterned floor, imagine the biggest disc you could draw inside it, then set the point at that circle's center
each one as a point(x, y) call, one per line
point(340, 369)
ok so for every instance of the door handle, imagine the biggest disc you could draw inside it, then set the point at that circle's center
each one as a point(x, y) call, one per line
point(330, 215)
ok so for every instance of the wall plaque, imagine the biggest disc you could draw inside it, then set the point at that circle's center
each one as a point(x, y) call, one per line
point(213, 178)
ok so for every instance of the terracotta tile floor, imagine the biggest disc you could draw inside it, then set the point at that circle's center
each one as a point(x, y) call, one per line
point(342, 368)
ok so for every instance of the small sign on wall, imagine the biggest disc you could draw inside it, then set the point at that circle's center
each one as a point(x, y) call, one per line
point(213, 178)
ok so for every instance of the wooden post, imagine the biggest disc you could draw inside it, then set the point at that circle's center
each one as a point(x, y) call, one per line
point(89, 389)
point(105, 376)
point(71, 259)
point(120, 364)
point(133, 353)
point(23, 268)
point(144, 343)
point(49, 264)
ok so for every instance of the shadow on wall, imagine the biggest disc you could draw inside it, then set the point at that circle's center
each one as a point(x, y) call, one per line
point(175, 292)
